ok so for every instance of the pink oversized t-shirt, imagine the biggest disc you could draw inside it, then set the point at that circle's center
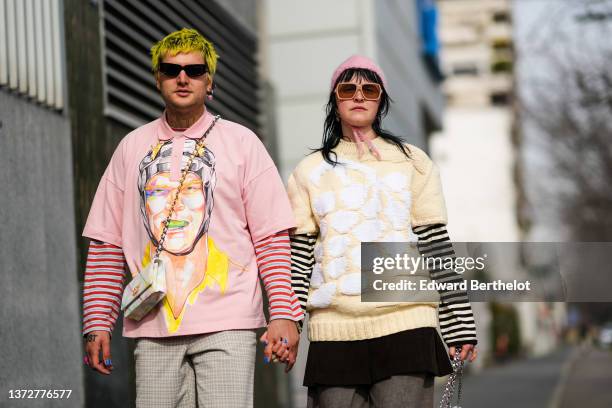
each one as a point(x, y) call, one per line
point(232, 196)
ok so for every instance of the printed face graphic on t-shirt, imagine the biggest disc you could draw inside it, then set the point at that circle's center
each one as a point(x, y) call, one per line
point(188, 214)
point(191, 258)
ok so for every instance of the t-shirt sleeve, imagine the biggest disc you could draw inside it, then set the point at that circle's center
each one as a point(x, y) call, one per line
point(300, 202)
point(105, 219)
point(265, 199)
point(428, 206)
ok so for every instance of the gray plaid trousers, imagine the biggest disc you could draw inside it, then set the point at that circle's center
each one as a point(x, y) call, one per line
point(206, 371)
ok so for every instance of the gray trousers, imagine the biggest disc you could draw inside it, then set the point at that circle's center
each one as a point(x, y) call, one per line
point(402, 391)
point(207, 371)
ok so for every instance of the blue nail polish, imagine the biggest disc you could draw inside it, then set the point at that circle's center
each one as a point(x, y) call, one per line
point(266, 359)
point(108, 362)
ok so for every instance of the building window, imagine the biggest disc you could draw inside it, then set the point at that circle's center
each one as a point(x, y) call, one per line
point(502, 44)
point(465, 69)
point(501, 16)
point(499, 99)
point(502, 49)
point(593, 16)
point(501, 67)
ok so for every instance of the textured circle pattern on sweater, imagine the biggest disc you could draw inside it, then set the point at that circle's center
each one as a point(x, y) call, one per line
point(366, 207)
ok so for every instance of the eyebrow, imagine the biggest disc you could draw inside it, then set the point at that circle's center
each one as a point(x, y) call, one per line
point(160, 184)
point(189, 183)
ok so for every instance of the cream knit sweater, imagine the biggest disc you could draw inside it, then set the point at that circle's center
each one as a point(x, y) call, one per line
point(362, 200)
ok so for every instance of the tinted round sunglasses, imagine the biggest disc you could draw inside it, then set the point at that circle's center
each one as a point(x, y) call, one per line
point(347, 90)
point(173, 70)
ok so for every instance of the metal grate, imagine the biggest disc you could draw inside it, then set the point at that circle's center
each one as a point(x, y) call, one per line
point(31, 50)
point(131, 27)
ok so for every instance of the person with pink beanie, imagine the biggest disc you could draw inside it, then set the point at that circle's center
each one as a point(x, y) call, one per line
point(365, 184)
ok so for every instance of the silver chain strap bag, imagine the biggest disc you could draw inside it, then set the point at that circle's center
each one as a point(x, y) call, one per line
point(454, 380)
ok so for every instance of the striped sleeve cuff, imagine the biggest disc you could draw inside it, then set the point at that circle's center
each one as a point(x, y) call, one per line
point(102, 286)
point(455, 315)
point(274, 262)
point(302, 262)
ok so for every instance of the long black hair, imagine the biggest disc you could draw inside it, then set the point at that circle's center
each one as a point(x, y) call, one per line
point(332, 129)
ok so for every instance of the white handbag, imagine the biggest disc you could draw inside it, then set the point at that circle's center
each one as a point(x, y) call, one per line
point(144, 291)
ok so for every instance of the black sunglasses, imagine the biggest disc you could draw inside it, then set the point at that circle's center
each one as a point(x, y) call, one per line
point(173, 70)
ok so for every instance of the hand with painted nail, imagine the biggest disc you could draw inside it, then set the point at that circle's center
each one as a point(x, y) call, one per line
point(281, 350)
point(281, 340)
point(269, 355)
point(97, 351)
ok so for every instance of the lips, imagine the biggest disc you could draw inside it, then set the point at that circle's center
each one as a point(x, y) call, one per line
point(177, 224)
point(358, 108)
point(182, 92)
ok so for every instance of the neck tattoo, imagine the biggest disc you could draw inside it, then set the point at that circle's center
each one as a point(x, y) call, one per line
point(181, 121)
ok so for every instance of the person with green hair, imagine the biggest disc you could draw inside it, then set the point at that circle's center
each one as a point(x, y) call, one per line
point(201, 197)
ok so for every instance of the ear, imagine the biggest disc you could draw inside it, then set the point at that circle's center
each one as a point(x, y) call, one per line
point(157, 83)
point(209, 84)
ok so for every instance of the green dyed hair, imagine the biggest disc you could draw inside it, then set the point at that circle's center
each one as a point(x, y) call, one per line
point(184, 40)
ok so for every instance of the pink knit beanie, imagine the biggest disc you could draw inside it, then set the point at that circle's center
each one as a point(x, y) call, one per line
point(358, 61)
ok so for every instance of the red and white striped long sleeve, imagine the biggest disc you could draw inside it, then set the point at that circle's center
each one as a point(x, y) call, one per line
point(104, 273)
point(103, 286)
point(274, 261)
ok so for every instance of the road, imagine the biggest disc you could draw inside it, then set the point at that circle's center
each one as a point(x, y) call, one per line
point(579, 377)
point(589, 383)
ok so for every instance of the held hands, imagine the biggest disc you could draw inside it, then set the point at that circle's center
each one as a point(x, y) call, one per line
point(281, 342)
point(466, 349)
point(95, 342)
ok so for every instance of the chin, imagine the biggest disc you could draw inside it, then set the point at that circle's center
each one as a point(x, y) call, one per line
point(359, 117)
point(178, 102)
point(361, 122)
point(181, 103)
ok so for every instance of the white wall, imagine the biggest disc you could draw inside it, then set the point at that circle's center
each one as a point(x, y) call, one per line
point(305, 42)
point(476, 158)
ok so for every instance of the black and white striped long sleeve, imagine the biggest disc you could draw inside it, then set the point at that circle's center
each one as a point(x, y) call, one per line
point(455, 312)
point(302, 262)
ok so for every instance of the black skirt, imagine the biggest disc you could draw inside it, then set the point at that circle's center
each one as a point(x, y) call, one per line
point(365, 362)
